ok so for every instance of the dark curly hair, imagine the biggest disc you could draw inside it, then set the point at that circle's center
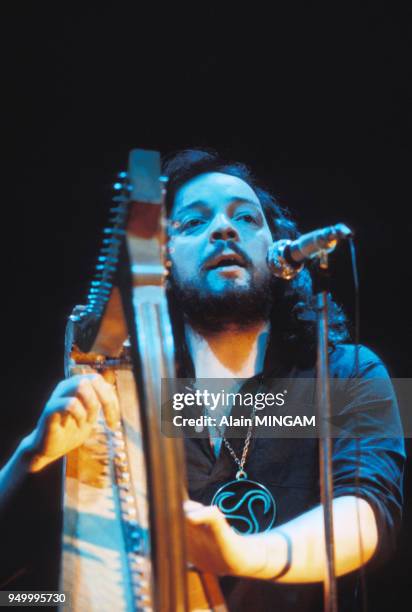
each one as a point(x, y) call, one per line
point(293, 320)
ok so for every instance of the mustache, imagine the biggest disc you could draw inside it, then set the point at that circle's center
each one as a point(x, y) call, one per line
point(223, 248)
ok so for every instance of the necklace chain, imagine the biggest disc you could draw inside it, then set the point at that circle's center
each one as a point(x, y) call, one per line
point(239, 462)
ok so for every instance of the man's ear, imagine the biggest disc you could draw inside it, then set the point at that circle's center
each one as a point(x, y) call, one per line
point(167, 261)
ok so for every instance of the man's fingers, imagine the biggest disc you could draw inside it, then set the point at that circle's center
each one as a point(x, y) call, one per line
point(86, 393)
point(108, 400)
point(55, 417)
point(59, 411)
point(189, 505)
point(95, 393)
point(204, 515)
point(68, 386)
point(76, 409)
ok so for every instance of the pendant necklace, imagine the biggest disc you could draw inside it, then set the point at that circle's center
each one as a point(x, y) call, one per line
point(248, 506)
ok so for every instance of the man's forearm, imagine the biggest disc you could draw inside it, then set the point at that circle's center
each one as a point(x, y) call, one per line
point(14, 471)
point(307, 542)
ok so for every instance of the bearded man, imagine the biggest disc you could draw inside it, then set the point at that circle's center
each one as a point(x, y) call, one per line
point(233, 319)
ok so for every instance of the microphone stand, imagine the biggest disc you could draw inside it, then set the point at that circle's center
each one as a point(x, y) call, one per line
point(286, 259)
point(320, 277)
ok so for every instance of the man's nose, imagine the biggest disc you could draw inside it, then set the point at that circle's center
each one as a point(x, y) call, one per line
point(223, 230)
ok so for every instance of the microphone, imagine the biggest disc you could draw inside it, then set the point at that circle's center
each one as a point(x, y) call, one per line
point(286, 258)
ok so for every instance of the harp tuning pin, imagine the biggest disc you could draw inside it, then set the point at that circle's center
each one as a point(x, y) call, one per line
point(113, 230)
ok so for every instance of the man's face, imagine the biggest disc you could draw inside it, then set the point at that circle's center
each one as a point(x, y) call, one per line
point(219, 238)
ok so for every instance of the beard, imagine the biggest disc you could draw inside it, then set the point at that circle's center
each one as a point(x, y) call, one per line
point(239, 307)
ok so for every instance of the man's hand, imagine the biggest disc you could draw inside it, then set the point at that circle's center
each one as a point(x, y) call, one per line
point(213, 546)
point(68, 418)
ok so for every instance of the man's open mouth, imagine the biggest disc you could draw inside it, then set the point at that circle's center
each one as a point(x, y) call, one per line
point(225, 261)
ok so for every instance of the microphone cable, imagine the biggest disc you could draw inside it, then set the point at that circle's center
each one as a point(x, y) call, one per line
point(356, 287)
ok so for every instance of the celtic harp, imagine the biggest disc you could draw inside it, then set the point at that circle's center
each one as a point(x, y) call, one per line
point(123, 525)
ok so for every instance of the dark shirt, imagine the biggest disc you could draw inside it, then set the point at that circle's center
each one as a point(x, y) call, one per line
point(289, 468)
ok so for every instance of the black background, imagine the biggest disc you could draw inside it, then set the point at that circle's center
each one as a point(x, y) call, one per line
point(316, 99)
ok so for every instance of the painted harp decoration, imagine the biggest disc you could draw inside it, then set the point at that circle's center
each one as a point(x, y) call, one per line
point(123, 539)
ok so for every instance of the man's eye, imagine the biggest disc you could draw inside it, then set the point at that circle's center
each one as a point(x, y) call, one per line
point(248, 218)
point(191, 223)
